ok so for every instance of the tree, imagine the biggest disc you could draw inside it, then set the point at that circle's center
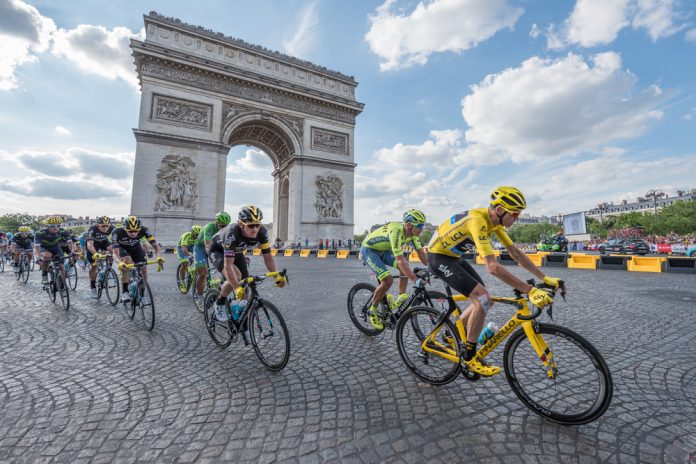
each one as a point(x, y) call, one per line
point(531, 233)
point(360, 237)
point(11, 222)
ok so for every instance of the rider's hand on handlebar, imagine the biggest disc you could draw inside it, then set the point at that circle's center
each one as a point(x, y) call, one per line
point(552, 281)
point(280, 281)
point(239, 293)
point(540, 297)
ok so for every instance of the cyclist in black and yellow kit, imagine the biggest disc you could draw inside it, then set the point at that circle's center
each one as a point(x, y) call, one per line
point(471, 230)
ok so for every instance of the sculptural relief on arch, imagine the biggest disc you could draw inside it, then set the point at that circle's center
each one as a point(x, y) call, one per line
point(203, 93)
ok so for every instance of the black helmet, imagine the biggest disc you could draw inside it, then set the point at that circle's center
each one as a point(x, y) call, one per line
point(250, 214)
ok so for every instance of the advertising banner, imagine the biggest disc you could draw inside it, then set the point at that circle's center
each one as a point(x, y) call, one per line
point(574, 224)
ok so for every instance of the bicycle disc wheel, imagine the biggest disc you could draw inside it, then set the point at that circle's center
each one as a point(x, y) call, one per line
point(147, 307)
point(359, 300)
point(112, 286)
point(413, 327)
point(185, 284)
point(582, 389)
point(64, 292)
point(219, 331)
point(71, 274)
point(269, 335)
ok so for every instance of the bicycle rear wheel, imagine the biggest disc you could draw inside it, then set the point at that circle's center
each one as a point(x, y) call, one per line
point(582, 388)
point(147, 307)
point(219, 331)
point(413, 327)
point(64, 292)
point(269, 335)
point(71, 275)
point(112, 286)
point(359, 301)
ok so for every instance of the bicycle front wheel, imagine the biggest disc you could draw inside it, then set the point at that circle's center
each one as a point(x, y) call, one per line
point(64, 292)
point(359, 301)
point(24, 269)
point(147, 307)
point(581, 388)
point(112, 286)
point(71, 274)
point(219, 331)
point(20, 269)
point(269, 335)
point(413, 328)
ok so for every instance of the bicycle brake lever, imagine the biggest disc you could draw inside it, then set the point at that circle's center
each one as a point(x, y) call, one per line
point(550, 312)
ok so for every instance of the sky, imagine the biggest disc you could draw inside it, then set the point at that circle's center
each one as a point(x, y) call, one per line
point(573, 102)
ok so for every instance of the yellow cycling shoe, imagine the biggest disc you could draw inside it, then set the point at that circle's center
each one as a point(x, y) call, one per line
point(486, 370)
point(375, 320)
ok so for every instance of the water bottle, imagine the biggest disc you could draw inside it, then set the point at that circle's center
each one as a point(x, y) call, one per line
point(390, 300)
point(487, 333)
point(238, 308)
point(133, 288)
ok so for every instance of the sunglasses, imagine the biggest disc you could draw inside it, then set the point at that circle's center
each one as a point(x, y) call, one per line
point(252, 226)
point(418, 226)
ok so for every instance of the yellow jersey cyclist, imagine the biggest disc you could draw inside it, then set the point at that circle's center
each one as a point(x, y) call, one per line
point(184, 248)
point(21, 241)
point(472, 229)
point(201, 250)
point(383, 247)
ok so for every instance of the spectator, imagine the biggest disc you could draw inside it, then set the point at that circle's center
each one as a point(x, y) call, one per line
point(333, 244)
point(306, 242)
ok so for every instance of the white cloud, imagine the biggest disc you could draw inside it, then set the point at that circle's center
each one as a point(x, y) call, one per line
point(60, 130)
point(690, 36)
point(690, 115)
point(63, 189)
point(598, 22)
point(551, 107)
point(437, 26)
point(436, 153)
point(534, 32)
point(24, 33)
point(99, 51)
point(305, 35)
point(253, 160)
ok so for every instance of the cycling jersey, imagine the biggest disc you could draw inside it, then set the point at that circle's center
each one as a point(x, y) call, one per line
point(467, 231)
point(46, 239)
point(119, 237)
point(24, 242)
point(207, 233)
point(390, 236)
point(101, 239)
point(231, 240)
point(186, 240)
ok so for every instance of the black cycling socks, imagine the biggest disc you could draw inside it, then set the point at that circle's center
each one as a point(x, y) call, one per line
point(470, 351)
point(92, 284)
point(221, 300)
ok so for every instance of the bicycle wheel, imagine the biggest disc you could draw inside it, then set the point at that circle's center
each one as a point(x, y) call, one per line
point(33, 263)
point(2, 264)
point(71, 274)
point(24, 269)
point(112, 286)
point(269, 335)
point(147, 307)
point(413, 327)
point(182, 284)
point(20, 269)
point(63, 291)
point(437, 300)
point(219, 331)
point(582, 388)
point(52, 286)
point(359, 300)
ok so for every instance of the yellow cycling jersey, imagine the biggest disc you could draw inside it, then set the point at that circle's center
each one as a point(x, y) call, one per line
point(465, 231)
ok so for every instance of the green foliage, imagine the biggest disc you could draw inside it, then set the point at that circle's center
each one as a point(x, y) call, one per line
point(679, 218)
point(425, 236)
point(11, 222)
point(531, 233)
point(360, 237)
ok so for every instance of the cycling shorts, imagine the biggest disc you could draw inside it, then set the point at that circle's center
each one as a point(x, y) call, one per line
point(200, 256)
point(180, 253)
point(136, 253)
point(239, 260)
point(55, 250)
point(378, 261)
point(455, 272)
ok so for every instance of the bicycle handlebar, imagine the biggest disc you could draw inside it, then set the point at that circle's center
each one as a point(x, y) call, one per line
point(159, 262)
point(262, 277)
point(536, 311)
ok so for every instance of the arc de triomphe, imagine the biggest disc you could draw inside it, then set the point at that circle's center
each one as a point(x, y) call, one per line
point(203, 93)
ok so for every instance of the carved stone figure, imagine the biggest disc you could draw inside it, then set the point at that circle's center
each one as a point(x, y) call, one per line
point(183, 112)
point(329, 197)
point(176, 184)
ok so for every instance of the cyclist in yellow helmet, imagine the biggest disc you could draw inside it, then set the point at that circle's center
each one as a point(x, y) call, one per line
point(469, 231)
point(98, 241)
point(47, 244)
point(21, 241)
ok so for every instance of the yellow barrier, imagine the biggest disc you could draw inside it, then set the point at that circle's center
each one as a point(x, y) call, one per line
point(304, 253)
point(322, 253)
point(256, 252)
point(480, 260)
point(274, 251)
point(579, 261)
point(288, 252)
point(646, 264)
point(543, 253)
point(342, 254)
point(536, 258)
point(413, 257)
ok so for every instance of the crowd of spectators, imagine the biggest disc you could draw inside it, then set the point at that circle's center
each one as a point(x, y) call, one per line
point(322, 244)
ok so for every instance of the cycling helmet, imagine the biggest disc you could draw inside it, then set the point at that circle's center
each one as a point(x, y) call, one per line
point(223, 218)
point(54, 220)
point(195, 230)
point(132, 223)
point(250, 214)
point(103, 220)
point(509, 198)
point(414, 216)
point(24, 229)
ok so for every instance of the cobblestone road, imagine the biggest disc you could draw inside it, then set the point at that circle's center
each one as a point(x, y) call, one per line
point(89, 385)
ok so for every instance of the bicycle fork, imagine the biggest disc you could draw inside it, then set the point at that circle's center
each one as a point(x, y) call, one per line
point(531, 329)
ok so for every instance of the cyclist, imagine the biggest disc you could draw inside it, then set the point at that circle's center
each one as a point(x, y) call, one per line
point(227, 254)
point(21, 241)
point(384, 247)
point(126, 248)
point(202, 248)
point(48, 243)
point(185, 248)
point(472, 229)
point(97, 240)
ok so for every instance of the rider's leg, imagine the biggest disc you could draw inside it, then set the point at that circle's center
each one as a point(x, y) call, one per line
point(382, 289)
point(201, 259)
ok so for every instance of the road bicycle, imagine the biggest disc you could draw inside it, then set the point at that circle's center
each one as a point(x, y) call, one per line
point(360, 299)
point(558, 374)
point(56, 283)
point(23, 268)
point(259, 323)
point(107, 279)
point(140, 293)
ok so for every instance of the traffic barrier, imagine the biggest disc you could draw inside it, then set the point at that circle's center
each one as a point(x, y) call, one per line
point(288, 252)
point(582, 261)
point(536, 258)
point(305, 253)
point(256, 252)
point(613, 262)
point(342, 254)
point(480, 260)
point(413, 257)
point(322, 253)
point(505, 258)
point(556, 260)
point(646, 264)
point(274, 251)
point(682, 265)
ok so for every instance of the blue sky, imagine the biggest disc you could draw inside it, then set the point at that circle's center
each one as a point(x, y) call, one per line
point(573, 102)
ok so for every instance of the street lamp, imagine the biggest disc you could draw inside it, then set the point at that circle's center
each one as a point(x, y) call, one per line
point(655, 194)
point(602, 207)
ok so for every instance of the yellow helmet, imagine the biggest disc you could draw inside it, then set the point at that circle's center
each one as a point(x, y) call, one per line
point(132, 223)
point(24, 229)
point(54, 220)
point(509, 198)
point(250, 214)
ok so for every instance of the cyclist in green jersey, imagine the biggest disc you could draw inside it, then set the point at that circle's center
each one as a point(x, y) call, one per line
point(383, 247)
point(184, 248)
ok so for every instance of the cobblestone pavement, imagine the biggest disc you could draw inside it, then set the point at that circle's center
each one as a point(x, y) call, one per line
point(89, 385)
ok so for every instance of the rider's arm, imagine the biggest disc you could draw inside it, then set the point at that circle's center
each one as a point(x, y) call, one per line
point(405, 269)
point(207, 244)
point(524, 261)
point(269, 262)
point(90, 246)
point(395, 233)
